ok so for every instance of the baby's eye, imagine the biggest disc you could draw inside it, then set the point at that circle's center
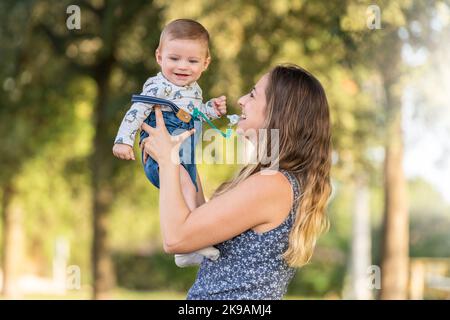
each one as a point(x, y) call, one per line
point(173, 58)
point(193, 61)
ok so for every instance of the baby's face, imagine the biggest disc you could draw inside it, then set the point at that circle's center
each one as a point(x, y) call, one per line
point(182, 61)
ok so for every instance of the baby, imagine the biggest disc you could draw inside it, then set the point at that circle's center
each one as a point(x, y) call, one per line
point(183, 54)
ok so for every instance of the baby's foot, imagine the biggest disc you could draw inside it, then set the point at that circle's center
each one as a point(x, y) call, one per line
point(195, 258)
point(209, 252)
point(188, 259)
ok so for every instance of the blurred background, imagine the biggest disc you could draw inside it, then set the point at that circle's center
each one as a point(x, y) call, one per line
point(78, 223)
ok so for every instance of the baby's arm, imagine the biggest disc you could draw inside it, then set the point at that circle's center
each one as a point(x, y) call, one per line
point(123, 144)
point(215, 107)
point(132, 122)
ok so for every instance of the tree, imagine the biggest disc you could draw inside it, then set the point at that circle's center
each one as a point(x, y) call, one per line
point(381, 51)
point(114, 49)
point(29, 120)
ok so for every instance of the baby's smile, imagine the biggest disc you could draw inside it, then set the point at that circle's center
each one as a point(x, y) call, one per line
point(181, 75)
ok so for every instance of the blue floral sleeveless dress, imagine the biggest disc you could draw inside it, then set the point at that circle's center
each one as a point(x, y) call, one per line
point(250, 266)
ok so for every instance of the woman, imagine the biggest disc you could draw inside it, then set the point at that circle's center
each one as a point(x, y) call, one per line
point(263, 224)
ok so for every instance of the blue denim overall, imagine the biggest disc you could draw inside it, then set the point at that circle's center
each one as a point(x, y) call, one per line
point(175, 127)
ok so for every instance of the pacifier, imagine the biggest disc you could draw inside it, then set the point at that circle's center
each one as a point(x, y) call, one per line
point(234, 119)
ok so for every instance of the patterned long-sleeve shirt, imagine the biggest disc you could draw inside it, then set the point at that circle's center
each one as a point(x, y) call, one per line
point(186, 98)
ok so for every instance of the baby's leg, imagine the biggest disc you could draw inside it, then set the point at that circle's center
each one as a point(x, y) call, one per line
point(190, 196)
point(200, 196)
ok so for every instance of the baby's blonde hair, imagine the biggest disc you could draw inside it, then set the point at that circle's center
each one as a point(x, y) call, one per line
point(185, 29)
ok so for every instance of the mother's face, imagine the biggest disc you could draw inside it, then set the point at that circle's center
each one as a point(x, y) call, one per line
point(253, 106)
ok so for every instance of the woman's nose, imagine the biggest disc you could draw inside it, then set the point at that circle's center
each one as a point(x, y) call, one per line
point(241, 101)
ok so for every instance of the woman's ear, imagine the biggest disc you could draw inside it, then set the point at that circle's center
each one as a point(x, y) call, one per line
point(158, 56)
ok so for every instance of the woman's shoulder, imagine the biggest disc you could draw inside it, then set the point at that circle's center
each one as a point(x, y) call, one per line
point(277, 194)
point(281, 180)
point(265, 189)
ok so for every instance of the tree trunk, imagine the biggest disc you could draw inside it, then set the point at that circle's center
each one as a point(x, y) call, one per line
point(12, 243)
point(395, 246)
point(103, 271)
point(361, 255)
point(360, 260)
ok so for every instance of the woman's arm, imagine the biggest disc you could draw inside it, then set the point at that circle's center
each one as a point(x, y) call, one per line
point(261, 200)
point(258, 200)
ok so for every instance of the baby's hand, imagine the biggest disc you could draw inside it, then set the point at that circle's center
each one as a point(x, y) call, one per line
point(220, 105)
point(123, 151)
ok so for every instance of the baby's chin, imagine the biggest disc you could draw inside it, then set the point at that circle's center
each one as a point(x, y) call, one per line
point(180, 83)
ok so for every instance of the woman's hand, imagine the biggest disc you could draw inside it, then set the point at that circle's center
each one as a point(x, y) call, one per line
point(160, 145)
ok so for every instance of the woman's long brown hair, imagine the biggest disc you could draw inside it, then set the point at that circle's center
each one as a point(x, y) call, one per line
point(297, 106)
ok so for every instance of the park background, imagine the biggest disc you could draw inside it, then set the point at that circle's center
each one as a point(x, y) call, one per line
point(78, 223)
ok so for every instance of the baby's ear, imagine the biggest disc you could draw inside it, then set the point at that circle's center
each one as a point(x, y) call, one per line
point(207, 61)
point(158, 56)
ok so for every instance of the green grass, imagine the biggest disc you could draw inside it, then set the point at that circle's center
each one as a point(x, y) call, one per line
point(117, 294)
point(122, 294)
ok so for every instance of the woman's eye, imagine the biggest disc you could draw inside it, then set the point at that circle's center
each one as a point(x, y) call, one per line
point(251, 95)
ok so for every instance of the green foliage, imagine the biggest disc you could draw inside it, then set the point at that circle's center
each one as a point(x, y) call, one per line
point(49, 92)
point(155, 272)
point(429, 236)
point(318, 279)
